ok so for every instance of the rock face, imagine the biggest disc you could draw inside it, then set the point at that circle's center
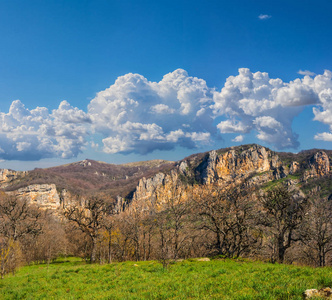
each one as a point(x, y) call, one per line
point(148, 190)
point(319, 165)
point(234, 165)
point(8, 176)
point(146, 187)
point(227, 168)
point(44, 195)
point(294, 167)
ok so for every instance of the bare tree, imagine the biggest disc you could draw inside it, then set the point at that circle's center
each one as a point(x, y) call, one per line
point(90, 219)
point(18, 218)
point(18, 222)
point(108, 224)
point(317, 231)
point(281, 217)
point(228, 215)
point(174, 224)
point(52, 242)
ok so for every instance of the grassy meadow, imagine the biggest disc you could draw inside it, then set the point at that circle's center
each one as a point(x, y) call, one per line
point(189, 279)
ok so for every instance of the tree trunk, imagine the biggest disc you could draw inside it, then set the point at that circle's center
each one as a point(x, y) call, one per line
point(110, 249)
point(93, 251)
point(281, 250)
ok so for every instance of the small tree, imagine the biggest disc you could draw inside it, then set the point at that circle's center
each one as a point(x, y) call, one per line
point(10, 256)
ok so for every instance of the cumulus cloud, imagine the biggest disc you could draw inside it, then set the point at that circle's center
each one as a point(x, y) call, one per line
point(254, 101)
point(264, 17)
point(135, 115)
point(324, 113)
point(35, 134)
point(231, 126)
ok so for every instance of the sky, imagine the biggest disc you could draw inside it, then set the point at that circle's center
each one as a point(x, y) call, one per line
point(130, 80)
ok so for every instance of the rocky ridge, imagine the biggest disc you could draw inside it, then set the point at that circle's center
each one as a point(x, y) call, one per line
point(246, 165)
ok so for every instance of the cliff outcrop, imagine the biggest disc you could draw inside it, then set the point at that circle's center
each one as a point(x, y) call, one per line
point(9, 176)
point(319, 165)
point(224, 168)
point(246, 166)
point(43, 195)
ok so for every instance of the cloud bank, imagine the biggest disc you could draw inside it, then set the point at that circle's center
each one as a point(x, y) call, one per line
point(135, 115)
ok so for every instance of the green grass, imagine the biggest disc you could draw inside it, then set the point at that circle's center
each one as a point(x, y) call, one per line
point(217, 279)
point(272, 184)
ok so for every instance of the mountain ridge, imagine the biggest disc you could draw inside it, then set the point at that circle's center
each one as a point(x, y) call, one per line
point(245, 165)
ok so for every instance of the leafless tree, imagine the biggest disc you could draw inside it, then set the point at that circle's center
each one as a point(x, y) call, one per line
point(10, 256)
point(282, 215)
point(18, 218)
point(229, 216)
point(316, 231)
point(19, 221)
point(90, 218)
point(173, 221)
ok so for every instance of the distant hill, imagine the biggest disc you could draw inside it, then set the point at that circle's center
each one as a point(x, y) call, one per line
point(90, 176)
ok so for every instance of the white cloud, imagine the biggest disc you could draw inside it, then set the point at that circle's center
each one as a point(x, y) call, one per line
point(35, 134)
point(232, 126)
point(135, 115)
point(264, 17)
point(162, 109)
point(325, 136)
point(296, 94)
point(306, 73)
point(238, 139)
point(267, 122)
point(253, 101)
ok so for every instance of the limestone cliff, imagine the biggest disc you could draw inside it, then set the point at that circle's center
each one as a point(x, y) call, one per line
point(319, 165)
point(243, 166)
point(234, 165)
point(8, 176)
point(43, 195)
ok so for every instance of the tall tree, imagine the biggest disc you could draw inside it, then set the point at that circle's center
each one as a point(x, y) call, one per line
point(228, 215)
point(282, 215)
point(90, 218)
point(317, 231)
point(18, 218)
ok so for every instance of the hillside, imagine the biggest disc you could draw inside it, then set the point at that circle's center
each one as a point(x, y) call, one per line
point(93, 176)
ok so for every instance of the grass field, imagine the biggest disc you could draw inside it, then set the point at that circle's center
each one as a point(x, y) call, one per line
point(216, 279)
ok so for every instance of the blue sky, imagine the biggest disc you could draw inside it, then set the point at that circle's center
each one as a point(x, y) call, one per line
point(151, 79)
